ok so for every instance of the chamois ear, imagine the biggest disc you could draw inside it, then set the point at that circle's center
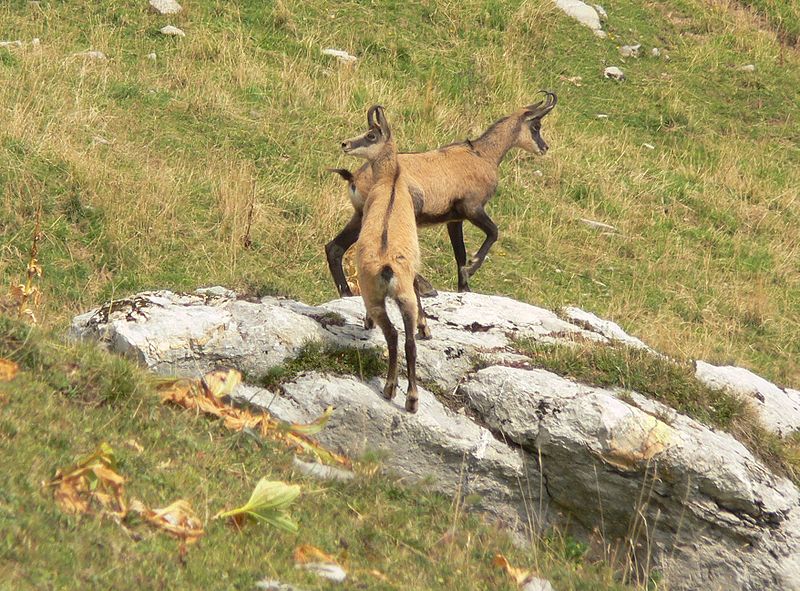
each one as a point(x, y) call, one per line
point(542, 108)
point(382, 123)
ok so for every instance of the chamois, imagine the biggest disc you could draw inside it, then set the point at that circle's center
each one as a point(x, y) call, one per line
point(448, 185)
point(387, 251)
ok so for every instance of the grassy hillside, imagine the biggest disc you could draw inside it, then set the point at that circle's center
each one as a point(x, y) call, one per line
point(246, 111)
point(149, 173)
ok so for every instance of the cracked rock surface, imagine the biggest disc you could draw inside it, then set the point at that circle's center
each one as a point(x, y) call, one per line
point(534, 446)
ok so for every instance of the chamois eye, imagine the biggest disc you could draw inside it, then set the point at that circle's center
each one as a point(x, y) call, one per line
point(371, 136)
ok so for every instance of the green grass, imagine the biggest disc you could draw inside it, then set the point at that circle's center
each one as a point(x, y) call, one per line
point(52, 413)
point(237, 122)
point(365, 363)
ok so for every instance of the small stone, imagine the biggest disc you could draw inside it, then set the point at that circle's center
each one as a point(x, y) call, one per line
point(748, 68)
point(99, 139)
point(600, 33)
point(602, 116)
point(537, 173)
point(582, 12)
point(655, 52)
point(614, 73)
point(92, 55)
point(36, 42)
point(165, 6)
point(537, 584)
point(342, 56)
point(10, 44)
point(601, 12)
point(272, 585)
point(152, 56)
point(630, 50)
point(172, 31)
point(326, 570)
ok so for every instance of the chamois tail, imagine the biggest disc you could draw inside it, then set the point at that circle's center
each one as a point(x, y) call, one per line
point(387, 274)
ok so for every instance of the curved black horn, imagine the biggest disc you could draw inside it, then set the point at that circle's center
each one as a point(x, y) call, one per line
point(551, 99)
point(371, 115)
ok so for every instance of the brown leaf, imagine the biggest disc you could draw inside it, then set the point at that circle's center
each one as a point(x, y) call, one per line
point(204, 395)
point(221, 382)
point(519, 575)
point(91, 478)
point(307, 553)
point(177, 519)
point(8, 370)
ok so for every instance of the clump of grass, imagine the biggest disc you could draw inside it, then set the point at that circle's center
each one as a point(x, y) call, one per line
point(317, 356)
point(672, 382)
point(668, 381)
point(90, 376)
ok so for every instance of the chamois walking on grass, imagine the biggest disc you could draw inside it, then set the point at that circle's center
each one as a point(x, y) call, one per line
point(387, 251)
point(448, 185)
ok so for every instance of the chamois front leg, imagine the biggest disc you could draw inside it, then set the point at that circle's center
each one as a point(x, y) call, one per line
point(485, 223)
point(456, 232)
point(335, 249)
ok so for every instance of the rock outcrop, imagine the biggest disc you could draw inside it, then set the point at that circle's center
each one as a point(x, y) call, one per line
point(692, 502)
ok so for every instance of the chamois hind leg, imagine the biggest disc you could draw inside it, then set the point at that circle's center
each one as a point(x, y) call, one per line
point(335, 249)
point(381, 318)
point(456, 232)
point(423, 332)
point(408, 308)
point(485, 223)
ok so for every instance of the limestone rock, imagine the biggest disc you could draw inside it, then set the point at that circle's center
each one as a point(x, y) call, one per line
point(614, 73)
point(779, 409)
point(171, 31)
point(165, 6)
point(435, 443)
point(592, 322)
point(530, 444)
point(630, 50)
point(716, 518)
point(582, 12)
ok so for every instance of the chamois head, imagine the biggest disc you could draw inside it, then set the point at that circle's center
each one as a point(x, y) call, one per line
point(370, 144)
point(530, 137)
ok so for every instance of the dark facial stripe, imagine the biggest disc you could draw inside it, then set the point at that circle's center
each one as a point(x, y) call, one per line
point(389, 208)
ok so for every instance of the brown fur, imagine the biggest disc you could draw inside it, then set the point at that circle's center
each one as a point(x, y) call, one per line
point(387, 251)
point(449, 185)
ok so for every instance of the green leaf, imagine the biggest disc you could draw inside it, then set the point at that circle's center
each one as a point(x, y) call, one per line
point(268, 503)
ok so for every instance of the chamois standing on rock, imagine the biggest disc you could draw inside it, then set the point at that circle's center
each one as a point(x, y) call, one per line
point(448, 185)
point(387, 251)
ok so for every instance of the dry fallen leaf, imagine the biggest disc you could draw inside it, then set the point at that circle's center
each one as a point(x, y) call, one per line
point(205, 395)
point(91, 478)
point(8, 370)
point(177, 519)
point(519, 575)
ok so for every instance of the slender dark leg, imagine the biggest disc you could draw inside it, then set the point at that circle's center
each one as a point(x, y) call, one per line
point(423, 332)
point(456, 232)
point(335, 249)
point(409, 321)
point(485, 223)
point(381, 318)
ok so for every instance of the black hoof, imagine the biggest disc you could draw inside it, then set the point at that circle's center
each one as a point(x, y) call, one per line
point(412, 404)
point(424, 336)
point(389, 391)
